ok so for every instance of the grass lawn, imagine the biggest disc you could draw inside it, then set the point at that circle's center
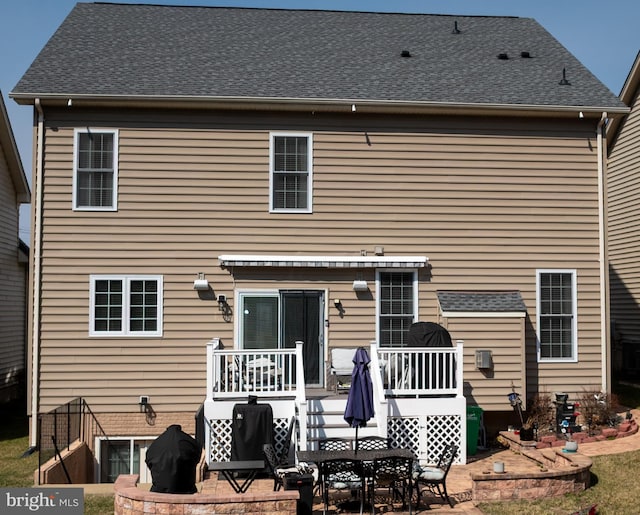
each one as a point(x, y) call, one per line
point(16, 471)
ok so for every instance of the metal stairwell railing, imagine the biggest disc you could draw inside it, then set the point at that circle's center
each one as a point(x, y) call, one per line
point(60, 427)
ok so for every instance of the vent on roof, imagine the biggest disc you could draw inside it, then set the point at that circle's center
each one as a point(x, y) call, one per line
point(503, 57)
point(525, 55)
point(564, 81)
point(405, 53)
point(455, 30)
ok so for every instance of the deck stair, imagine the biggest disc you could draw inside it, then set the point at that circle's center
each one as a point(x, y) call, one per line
point(325, 419)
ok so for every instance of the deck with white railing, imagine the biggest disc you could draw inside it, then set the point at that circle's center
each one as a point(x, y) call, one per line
point(417, 392)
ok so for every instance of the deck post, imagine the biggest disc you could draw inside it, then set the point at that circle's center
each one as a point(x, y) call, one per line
point(459, 367)
point(211, 346)
point(301, 396)
point(379, 397)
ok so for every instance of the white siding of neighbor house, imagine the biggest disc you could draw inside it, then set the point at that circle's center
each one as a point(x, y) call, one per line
point(487, 201)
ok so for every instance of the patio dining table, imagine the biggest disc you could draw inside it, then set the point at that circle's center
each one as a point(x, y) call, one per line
point(363, 456)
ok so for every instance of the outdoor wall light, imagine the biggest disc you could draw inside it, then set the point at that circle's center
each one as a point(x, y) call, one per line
point(360, 285)
point(144, 402)
point(201, 282)
point(337, 303)
point(222, 302)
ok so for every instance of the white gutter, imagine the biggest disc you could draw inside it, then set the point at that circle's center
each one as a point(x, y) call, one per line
point(35, 278)
point(306, 103)
point(603, 256)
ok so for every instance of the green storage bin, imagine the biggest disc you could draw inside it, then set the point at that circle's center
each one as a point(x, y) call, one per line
point(474, 416)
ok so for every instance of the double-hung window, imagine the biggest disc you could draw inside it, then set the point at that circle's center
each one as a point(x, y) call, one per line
point(291, 180)
point(397, 306)
point(95, 176)
point(126, 305)
point(557, 315)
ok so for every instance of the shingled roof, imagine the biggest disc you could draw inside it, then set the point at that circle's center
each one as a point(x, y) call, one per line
point(149, 51)
point(481, 302)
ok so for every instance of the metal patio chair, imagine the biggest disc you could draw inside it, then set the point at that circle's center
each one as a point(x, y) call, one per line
point(435, 477)
point(394, 474)
point(342, 475)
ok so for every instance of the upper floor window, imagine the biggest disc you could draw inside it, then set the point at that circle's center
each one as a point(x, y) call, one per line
point(290, 172)
point(557, 315)
point(95, 175)
point(397, 303)
point(126, 305)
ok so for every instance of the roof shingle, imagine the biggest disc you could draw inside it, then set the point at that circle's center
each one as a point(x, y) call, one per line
point(212, 52)
point(481, 302)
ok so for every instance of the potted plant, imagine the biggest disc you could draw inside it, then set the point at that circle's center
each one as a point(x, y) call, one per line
point(527, 431)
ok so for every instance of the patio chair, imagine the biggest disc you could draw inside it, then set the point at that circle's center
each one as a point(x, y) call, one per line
point(435, 477)
point(342, 475)
point(394, 474)
point(279, 471)
point(286, 444)
point(341, 366)
point(373, 443)
point(335, 444)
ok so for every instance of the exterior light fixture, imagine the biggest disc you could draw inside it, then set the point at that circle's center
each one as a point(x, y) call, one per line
point(201, 283)
point(360, 285)
point(144, 403)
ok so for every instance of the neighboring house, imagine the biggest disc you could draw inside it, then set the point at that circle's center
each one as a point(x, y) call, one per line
point(14, 191)
point(623, 193)
point(325, 177)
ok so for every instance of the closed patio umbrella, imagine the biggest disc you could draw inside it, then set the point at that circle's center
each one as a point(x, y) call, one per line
point(359, 408)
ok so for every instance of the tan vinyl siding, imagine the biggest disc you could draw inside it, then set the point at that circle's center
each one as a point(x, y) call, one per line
point(490, 388)
point(12, 287)
point(624, 227)
point(487, 201)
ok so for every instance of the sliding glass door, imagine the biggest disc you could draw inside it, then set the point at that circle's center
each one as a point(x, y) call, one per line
point(277, 319)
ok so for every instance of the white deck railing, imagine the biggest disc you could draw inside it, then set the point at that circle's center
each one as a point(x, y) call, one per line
point(421, 371)
point(430, 371)
point(269, 373)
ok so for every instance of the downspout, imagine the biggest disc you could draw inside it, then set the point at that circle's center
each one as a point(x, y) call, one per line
point(603, 255)
point(36, 253)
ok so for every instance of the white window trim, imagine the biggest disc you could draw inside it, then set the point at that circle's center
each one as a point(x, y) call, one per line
point(416, 309)
point(126, 279)
point(76, 147)
point(99, 440)
point(309, 137)
point(574, 302)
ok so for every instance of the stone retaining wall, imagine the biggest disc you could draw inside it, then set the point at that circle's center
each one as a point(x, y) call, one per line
point(130, 500)
point(511, 486)
point(557, 474)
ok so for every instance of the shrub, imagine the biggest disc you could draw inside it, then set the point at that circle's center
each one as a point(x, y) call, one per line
point(541, 412)
point(597, 410)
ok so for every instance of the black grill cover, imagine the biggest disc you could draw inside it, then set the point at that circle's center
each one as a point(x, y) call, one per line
point(172, 459)
point(251, 428)
point(428, 334)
